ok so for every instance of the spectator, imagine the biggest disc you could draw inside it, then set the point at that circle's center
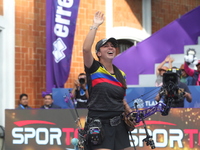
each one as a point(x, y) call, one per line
point(48, 102)
point(193, 73)
point(184, 77)
point(161, 69)
point(23, 102)
point(80, 91)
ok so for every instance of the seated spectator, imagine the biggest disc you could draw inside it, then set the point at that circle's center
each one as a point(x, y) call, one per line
point(193, 73)
point(161, 69)
point(184, 77)
point(23, 102)
point(48, 102)
point(80, 91)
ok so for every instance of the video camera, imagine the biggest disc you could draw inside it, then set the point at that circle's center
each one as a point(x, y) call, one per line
point(170, 88)
point(81, 80)
point(170, 83)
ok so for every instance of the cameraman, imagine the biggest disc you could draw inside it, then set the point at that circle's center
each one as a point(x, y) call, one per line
point(183, 92)
point(80, 91)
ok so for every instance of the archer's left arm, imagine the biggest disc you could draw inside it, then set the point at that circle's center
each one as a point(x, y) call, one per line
point(130, 121)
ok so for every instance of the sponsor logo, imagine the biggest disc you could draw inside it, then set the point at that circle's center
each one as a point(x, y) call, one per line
point(41, 135)
point(169, 137)
point(58, 52)
point(139, 102)
point(58, 136)
point(61, 29)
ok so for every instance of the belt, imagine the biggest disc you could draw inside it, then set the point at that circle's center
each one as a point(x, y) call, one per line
point(113, 121)
point(81, 100)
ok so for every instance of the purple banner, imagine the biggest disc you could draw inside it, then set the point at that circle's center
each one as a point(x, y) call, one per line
point(61, 18)
point(171, 39)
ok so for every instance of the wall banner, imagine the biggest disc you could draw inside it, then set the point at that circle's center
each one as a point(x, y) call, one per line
point(60, 28)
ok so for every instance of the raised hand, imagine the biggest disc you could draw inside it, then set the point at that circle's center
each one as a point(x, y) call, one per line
point(167, 59)
point(171, 59)
point(98, 18)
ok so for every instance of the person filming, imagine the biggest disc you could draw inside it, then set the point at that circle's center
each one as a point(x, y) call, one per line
point(180, 90)
point(80, 91)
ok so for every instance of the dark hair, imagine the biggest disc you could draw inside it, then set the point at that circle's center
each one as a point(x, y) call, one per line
point(120, 77)
point(81, 74)
point(48, 95)
point(174, 67)
point(22, 95)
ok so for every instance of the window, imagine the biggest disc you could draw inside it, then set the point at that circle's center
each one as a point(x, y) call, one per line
point(125, 44)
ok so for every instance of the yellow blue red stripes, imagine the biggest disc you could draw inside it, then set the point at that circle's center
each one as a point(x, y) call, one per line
point(102, 75)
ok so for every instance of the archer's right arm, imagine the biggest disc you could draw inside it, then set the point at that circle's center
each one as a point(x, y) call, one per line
point(89, 40)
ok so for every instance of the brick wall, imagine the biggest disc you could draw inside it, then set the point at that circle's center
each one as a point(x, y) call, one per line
point(30, 50)
point(164, 12)
point(1, 7)
point(87, 9)
point(127, 13)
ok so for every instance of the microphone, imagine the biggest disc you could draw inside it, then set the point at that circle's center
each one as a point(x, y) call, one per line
point(74, 142)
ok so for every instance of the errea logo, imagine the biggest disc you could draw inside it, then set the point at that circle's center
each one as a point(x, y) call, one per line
point(58, 52)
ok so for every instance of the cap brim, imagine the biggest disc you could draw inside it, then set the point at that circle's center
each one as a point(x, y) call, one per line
point(112, 40)
point(104, 41)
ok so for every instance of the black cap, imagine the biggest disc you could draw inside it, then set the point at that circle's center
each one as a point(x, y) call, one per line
point(104, 41)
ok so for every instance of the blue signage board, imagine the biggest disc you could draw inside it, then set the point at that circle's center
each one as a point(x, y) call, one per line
point(143, 96)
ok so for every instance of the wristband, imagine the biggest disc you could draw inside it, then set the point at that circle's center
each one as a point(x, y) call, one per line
point(93, 27)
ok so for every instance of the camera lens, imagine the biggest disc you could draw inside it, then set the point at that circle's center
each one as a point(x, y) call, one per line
point(81, 80)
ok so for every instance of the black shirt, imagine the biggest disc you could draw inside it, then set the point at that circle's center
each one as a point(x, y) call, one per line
point(106, 93)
